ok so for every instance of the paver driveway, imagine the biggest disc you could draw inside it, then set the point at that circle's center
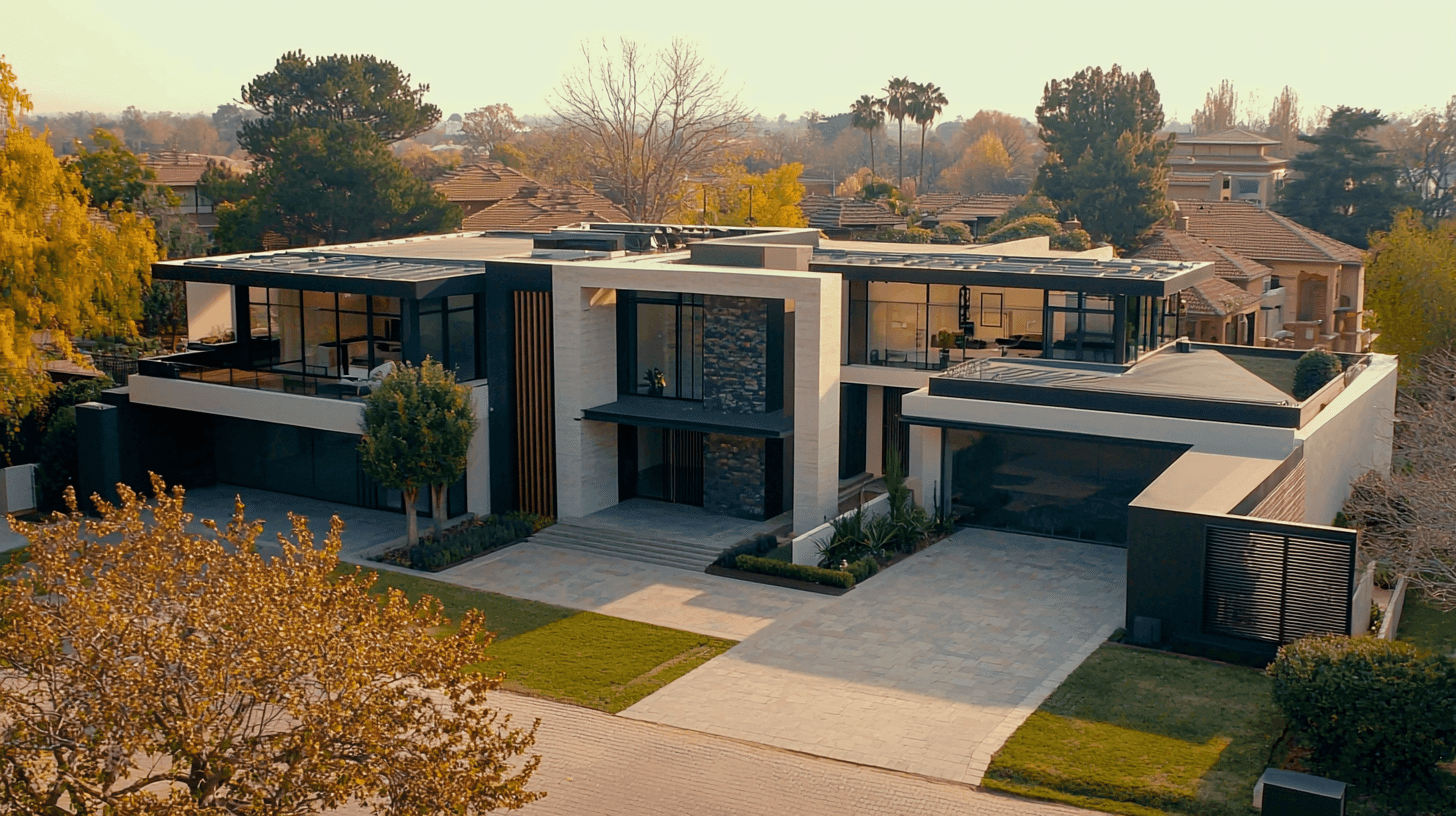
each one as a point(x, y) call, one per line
point(927, 668)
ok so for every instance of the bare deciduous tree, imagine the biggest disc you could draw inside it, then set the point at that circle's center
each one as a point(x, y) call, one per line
point(648, 120)
point(488, 127)
point(1423, 146)
point(1284, 123)
point(1408, 519)
point(1220, 110)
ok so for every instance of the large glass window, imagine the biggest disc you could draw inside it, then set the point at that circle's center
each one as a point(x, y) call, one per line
point(448, 334)
point(1080, 327)
point(669, 350)
point(330, 335)
point(1057, 485)
point(925, 326)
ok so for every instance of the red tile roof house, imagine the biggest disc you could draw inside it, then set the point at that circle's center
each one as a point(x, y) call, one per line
point(493, 196)
point(182, 172)
point(1313, 293)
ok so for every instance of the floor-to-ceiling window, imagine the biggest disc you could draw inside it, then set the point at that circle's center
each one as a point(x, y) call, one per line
point(324, 334)
point(1049, 484)
point(665, 358)
point(448, 334)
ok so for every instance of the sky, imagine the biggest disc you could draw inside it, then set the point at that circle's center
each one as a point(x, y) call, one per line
point(782, 57)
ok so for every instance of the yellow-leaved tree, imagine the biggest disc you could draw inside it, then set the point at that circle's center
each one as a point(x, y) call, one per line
point(736, 197)
point(148, 670)
point(65, 268)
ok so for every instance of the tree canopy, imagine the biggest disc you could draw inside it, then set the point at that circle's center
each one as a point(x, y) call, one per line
point(649, 120)
point(302, 91)
point(1344, 186)
point(188, 674)
point(64, 268)
point(1410, 285)
point(324, 170)
point(417, 427)
point(1105, 163)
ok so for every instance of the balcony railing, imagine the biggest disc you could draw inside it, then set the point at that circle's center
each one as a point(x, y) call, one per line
point(288, 382)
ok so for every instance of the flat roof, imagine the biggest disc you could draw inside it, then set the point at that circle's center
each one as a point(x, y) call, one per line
point(428, 266)
point(1107, 276)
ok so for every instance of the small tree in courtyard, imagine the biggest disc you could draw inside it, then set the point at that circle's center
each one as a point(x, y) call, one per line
point(417, 429)
point(148, 670)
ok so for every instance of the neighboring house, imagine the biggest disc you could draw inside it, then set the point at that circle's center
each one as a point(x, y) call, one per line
point(477, 186)
point(1235, 306)
point(759, 372)
point(1232, 165)
point(977, 212)
point(840, 217)
point(1322, 280)
point(537, 209)
point(182, 172)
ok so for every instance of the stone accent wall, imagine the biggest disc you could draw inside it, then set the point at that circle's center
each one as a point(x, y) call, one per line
point(735, 344)
point(1285, 502)
point(734, 475)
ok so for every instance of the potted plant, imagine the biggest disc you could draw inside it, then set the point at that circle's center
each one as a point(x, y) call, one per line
point(656, 382)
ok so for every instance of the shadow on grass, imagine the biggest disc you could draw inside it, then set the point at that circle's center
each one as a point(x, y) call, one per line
point(1152, 729)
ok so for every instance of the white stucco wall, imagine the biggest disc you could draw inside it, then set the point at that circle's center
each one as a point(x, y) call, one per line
point(477, 458)
point(922, 473)
point(585, 326)
point(209, 310)
point(321, 413)
point(585, 349)
point(1350, 436)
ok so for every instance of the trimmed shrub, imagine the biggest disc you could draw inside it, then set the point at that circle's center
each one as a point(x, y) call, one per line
point(798, 572)
point(1075, 241)
point(469, 539)
point(59, 461)
point(863, 568)
point(1028, 227)
point(954, 232)
point(759, 545)
point(1373, 712)
point(1315, 368)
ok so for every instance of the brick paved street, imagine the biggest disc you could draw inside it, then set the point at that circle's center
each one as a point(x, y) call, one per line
point(594, 764)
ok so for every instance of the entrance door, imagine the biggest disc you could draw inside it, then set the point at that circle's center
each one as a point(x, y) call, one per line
point(670, 465)
point(894, 434)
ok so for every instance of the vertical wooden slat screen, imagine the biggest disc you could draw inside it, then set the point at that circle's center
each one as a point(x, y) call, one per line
point(535, 404)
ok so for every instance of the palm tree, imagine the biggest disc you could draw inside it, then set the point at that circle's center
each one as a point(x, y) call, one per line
point(897, 104)
point(868, 115)
point(926, 103)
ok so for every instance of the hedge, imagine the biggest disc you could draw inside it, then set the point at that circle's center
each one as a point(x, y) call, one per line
point(758, 545)
point(466, 540)
point(798, 572)
point(1374, 712)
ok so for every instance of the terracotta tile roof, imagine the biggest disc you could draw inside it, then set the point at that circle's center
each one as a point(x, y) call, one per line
point(985, 205)
point(1174, 245)
point(1263, 235)
point(935, 202)
point(1231, 136)
point(850, 213)
point(1216, 297)
point(178, 169)
point(483, 181)
point(536, 208)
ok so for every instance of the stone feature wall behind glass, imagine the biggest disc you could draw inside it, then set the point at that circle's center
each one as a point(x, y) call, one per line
point(734, 475)
point(735, 346)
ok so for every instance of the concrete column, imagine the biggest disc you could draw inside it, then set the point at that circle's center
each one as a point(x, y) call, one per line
point(923, 471)
point(477, 458)
point(98, 442)
point(585, 328)
point(817, 333)
point(875, 430)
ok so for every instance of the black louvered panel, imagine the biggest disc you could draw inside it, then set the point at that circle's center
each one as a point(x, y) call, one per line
point(1275, 587)
point(1243, 584)
point(1320, 578)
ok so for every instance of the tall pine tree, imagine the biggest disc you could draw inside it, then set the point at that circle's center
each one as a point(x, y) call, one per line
point(1344, 187)
point(1106, 164)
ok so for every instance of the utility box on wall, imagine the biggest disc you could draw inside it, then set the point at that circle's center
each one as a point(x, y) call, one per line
point(1287, 793)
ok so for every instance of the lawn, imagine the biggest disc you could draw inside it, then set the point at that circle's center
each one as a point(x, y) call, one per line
point(1426, 626)
point(577, 657)
point(1141, 732)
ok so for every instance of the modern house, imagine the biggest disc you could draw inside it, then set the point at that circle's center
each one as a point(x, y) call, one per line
point(1231, 165)
point(755, 372)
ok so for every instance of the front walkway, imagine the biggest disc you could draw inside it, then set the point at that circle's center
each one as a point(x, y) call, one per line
point(928, 668)
point(363, 528)
point(694, 601)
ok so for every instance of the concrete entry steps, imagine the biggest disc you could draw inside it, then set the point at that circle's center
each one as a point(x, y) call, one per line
point(600, 541)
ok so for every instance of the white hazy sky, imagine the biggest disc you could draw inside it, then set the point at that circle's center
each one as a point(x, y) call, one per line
point(787, 57)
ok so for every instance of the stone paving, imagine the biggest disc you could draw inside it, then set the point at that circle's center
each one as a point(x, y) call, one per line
point(677, 522)
point(927, 669)
point(694, 601)
point(363, 528)
point(594, 763)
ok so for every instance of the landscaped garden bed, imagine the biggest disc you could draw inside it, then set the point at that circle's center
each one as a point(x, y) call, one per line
point(466, 541)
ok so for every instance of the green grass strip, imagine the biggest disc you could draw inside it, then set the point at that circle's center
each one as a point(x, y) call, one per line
point(1051, 795)
point(507, 617)
point(600, 662)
